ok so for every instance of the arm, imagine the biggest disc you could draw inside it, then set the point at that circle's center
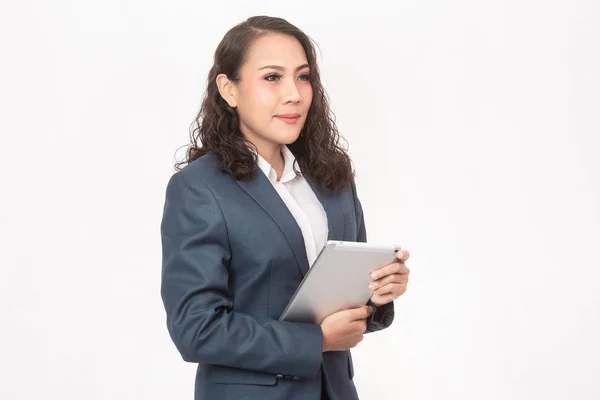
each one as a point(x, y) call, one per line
point(382, 316)
point(198, 301)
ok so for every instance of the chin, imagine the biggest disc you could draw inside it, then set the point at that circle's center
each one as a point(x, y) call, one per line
point(287, 139)
point(292, 140)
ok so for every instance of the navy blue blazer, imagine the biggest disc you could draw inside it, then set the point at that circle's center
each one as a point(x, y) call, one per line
point(232, 257)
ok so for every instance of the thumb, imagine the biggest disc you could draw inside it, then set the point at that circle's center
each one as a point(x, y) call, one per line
point(361, 313)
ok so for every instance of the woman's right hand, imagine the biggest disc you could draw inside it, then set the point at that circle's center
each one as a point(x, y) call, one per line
point(344, 329)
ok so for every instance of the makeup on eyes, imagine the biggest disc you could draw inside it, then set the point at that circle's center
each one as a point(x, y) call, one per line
point(279, 76)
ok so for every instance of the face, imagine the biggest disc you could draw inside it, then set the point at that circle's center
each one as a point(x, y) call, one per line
point(274, 93)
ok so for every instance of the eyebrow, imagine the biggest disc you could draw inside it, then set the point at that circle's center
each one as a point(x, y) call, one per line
point(280, 68)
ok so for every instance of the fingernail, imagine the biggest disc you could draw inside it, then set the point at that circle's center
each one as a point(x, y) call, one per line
point(372, 286)
point(374, 275)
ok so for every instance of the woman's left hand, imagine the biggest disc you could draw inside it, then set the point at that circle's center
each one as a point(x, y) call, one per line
point(389, 282)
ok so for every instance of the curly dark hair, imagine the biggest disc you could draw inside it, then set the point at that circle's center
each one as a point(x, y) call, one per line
point(217, 125)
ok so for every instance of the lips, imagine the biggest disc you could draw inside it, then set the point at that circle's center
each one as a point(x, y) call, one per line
point(289, 118)
point(288, 115)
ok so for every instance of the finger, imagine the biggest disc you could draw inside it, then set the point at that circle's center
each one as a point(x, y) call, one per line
point(374, 285)
point(403, 269)
point(360, 338)
point(394, 278)
point(402, 255)
point(384, 289)
point(391, 288)
point(393, 268)
point(360, 325)
point(387, 298)
point(355, 314)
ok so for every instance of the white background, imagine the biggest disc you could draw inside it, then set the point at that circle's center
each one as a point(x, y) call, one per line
point(473, 126)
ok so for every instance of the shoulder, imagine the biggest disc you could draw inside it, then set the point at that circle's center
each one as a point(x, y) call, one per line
point(200, 174)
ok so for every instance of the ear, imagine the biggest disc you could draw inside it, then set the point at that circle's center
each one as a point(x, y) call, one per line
point(227, 90)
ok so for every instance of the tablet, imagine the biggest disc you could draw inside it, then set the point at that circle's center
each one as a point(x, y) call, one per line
point(339, 279)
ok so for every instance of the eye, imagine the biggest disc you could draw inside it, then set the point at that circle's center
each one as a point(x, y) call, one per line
point(275, 76)
point(304, 77)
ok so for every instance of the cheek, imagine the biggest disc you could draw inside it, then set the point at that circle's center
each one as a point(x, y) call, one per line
point(307, 93)
point(263, 102)
point(266, 97)
point(257, 92)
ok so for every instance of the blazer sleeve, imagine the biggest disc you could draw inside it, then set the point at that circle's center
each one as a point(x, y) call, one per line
point(198, 301)
point(383, 316)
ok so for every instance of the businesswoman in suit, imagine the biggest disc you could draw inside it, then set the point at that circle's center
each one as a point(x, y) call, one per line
point(264, 186)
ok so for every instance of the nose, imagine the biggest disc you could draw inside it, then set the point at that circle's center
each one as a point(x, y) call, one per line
point(290, 92)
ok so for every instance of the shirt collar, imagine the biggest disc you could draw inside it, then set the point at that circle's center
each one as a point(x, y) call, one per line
point(288, 168)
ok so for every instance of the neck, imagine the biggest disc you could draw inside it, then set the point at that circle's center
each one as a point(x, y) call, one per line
point(271, 152)
point(272, 155)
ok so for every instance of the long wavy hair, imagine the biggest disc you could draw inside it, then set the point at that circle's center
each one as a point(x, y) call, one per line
point(216, 128)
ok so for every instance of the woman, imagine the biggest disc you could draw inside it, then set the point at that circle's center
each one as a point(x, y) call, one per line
point(245, 218)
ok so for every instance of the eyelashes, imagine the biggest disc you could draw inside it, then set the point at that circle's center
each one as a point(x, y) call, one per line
point(276, 77)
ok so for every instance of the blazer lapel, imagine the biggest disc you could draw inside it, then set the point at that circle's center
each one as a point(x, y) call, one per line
point(333, 208)
point(261, 190)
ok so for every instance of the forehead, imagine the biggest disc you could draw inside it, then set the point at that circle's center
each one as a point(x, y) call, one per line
point(276, 49)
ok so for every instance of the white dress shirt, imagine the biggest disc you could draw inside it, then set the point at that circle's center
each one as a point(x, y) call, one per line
point(302, 202)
